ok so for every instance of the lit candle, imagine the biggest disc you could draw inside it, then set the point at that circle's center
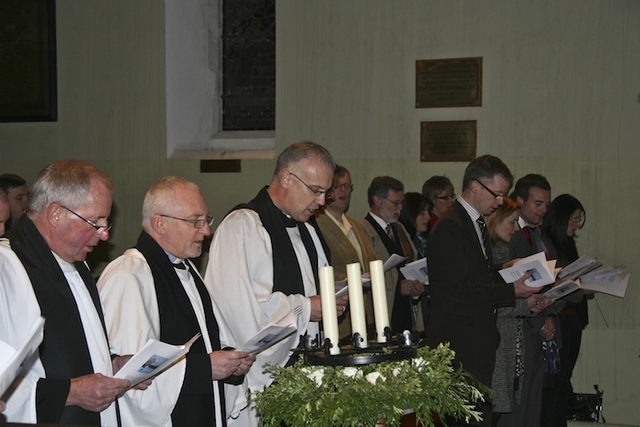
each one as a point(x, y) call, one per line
point(379, 295)
point(356, 303)
point(329, 312)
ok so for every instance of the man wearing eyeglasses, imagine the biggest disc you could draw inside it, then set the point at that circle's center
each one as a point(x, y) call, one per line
point(346, 239)
point(154, 291)
point(387, 236)
point(43, 273)
point(465, 287)
point(264, 260)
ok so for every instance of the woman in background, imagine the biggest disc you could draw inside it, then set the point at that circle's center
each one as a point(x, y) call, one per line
point(439, 190)
point(508, 373)
point(415, 218)
point(564, 217)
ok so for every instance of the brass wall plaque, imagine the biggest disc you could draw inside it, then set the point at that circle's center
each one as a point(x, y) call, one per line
point(449, 83)
point(453, 141)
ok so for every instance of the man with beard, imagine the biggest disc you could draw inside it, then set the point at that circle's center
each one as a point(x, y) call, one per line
point(387, 237)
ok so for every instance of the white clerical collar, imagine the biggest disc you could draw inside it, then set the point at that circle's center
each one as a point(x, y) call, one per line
point(381, 222)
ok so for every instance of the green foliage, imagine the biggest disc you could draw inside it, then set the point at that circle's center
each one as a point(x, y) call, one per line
point(322, 396)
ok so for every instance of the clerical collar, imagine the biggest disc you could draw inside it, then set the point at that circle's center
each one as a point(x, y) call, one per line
point(381, 222)
point(173, 259)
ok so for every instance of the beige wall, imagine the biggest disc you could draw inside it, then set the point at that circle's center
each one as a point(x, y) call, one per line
point(561, 98)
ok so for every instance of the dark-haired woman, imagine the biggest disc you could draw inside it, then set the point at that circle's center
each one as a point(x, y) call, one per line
point(415, 218)
point(564, 217)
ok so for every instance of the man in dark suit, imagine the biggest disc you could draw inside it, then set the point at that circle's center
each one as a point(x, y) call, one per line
point(533, 194)
point(465, 289)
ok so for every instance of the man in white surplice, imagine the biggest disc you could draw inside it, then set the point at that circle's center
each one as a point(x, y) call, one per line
point(154, 291)
point(263, 264)
point(43, 273)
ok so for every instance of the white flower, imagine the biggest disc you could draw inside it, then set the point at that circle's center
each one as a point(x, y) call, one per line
point(396, 372)
point(373, 377)
point(352, 372)
point(315, 375)
point(419, 363)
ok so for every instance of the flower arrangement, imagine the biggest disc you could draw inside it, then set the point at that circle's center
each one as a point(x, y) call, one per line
point(321, 396)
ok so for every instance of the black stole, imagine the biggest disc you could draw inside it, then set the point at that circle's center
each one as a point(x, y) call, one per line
point(287, 277)
point(178, 324)
point(64, 351)
point(401, 319)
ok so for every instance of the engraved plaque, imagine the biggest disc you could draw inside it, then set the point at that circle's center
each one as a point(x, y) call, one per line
point(453, 141)
point(449, 83)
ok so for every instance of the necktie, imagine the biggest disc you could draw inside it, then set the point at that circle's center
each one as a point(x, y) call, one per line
point(483, 232)
point(389, 232)
point(180, 266)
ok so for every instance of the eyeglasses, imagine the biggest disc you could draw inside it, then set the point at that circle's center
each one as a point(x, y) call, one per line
point(397, 202)
point(347, 186)
point(318, 192)
point(197, 223)
point(578, 220)
point(99, 228)
point(494, 194)
point(451, 196)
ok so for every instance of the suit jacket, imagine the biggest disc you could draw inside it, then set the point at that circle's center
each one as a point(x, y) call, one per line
point(392, 276)
point(464, 294)
point(343, 253)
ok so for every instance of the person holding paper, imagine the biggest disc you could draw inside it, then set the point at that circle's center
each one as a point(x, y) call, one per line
point(532, 192)
point(154, 291)
point(465, 286)
point(564, 217)
point(509, 371)
point(346, 239)
point(387, 236)
point(415, 219)
point(264, 260)
point(43, 273)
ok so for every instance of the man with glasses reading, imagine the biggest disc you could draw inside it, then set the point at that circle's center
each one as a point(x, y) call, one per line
point(387, 236)
point(264, 260)
point(43, 273)
point(154, 291)
point(465, 287)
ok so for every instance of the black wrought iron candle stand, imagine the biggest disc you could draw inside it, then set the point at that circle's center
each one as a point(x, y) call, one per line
point(402, 348)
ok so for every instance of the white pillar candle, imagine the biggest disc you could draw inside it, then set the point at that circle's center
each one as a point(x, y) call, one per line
point(329, 312)
point(356, 303)
point(379, 295)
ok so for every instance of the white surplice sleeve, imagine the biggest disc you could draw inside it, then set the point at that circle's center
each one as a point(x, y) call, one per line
point(19, 310)
point(239, 276)
point(131, 314)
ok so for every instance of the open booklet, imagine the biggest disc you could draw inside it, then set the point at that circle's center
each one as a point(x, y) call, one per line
point(609, 280)
point(270, 335)
point(153, 358)
point(416, 270)
point(543, 272)
point(577, 268)
point(562, 290)
point(11, 359)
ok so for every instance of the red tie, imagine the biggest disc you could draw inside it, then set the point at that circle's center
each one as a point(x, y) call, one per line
point(527, 233)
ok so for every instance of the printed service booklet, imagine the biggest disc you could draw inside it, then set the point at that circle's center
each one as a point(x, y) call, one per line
point(153, 358)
